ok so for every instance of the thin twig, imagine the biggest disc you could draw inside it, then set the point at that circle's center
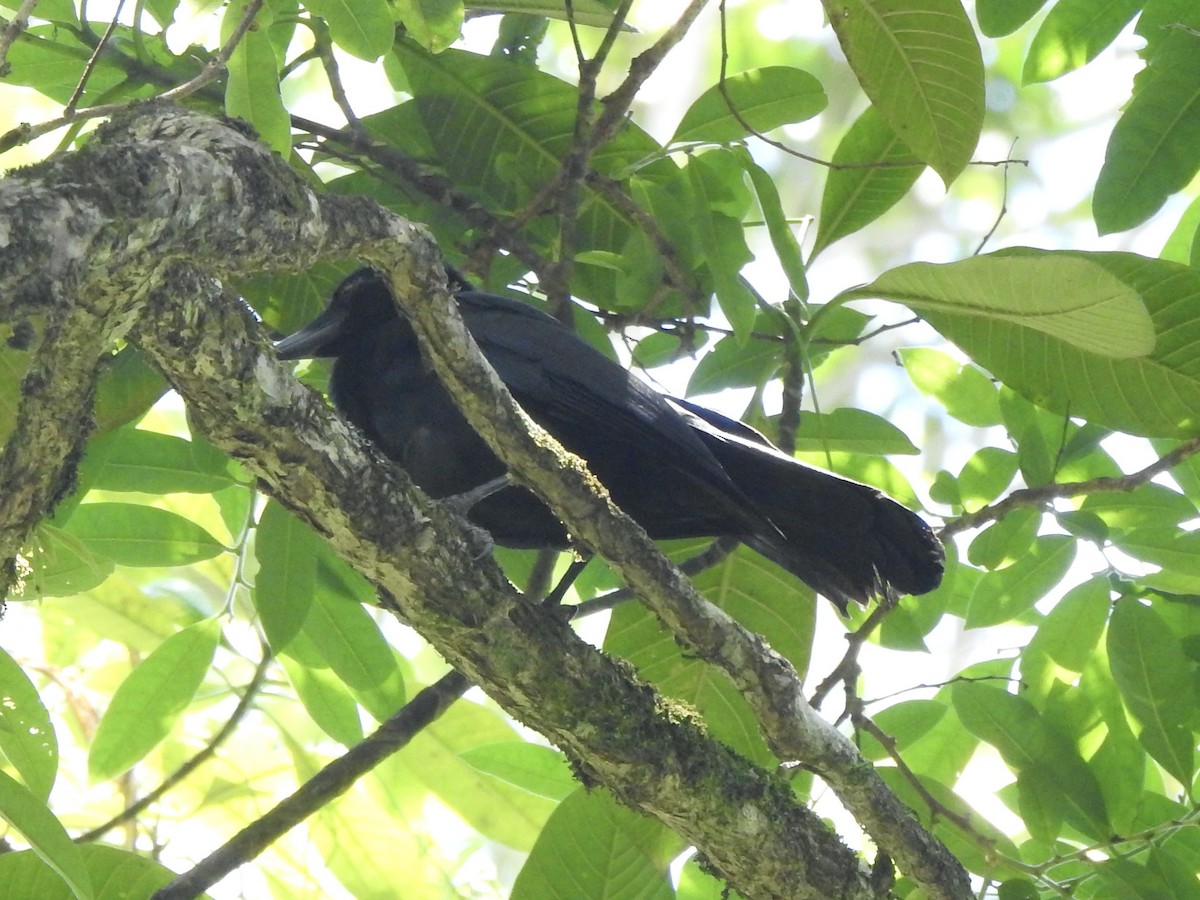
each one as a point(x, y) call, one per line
point(1040, 496)
point(94, 58)
point(332, 781)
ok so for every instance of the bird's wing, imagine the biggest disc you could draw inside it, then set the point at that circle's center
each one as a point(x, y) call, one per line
point(587, 401)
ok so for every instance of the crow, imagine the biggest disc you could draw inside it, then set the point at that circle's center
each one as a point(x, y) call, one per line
point(678, 469)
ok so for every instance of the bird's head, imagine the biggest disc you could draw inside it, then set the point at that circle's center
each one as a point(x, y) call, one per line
point(361, 304)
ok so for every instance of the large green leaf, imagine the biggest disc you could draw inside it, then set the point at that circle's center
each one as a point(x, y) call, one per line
point(539, 770)
point(1154, 150)
point(1003, 595)
point(867, 180)
point(1069, 297)
point(252, 86)
point(919, 63)
point(852, 431)
point(363, 28)
point(129, 459)
point(27, 738)
point(287, 552)
point(763, 100)
point(595, 849)
point(1155, 678)
point(492, 806)
point(1044, 759)
point(133, 535)
point(45, 834)
point(150, 701)
point(1155, 395)
point(63, 564)
point(964, 390)
point(120, 874)
point(1073, 34)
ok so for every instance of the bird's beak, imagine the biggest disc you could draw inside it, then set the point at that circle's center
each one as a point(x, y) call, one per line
point(314, 340)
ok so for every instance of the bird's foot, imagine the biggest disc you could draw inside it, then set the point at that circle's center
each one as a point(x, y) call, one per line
point(462, 504)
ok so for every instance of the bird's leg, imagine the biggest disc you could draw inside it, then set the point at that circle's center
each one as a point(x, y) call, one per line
point(462, 504)
point(554, 599)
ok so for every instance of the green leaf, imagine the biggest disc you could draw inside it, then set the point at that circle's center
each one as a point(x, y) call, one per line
point(716, 181)
point(730, 364)
point(853, 431)
point(27, 738)
point(148, 703)
point(783, 239)
point(128, 388)
point(872, 182)
point(1067, 296)
point(1153, 675)
point(1003, 543)
point(1017, 889)
point(1155, 147)
point(764, 99)
point(252, 86)
point(434, 24)
point(585, 12)
point(1069, 634)
point(1157, 395)
point(988, 472)
point(1003, 595)
point(287, 552)
point(323, 695)
point(594, 849)
point(129, 459)
point(346, 639)
point(121, 874)
point(46, 835)
point(1073, 34)
point(919, 63)
point(434, 760)
point(133, 535)
point(905, 723)
point(363, 28)
point(63, 564)
point(501, 130)
point(965, 390)
point(1048, 763)
point(531, 767)
point(1000, 17)
point(51, 60)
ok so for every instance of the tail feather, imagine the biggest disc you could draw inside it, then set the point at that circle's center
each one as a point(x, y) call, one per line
point(845, 539)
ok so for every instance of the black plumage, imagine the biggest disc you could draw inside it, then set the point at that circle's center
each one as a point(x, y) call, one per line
point(678, 469)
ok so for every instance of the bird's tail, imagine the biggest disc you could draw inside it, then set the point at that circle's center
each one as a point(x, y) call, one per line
point(844, 539)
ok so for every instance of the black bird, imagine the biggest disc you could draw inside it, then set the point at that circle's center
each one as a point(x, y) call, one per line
point(678, 469)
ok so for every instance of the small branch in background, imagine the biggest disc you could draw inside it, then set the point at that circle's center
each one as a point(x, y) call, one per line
point(332, 781)
point(93, 59)
point(1003, 206)
point(1040, 496)
point(244, 705)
